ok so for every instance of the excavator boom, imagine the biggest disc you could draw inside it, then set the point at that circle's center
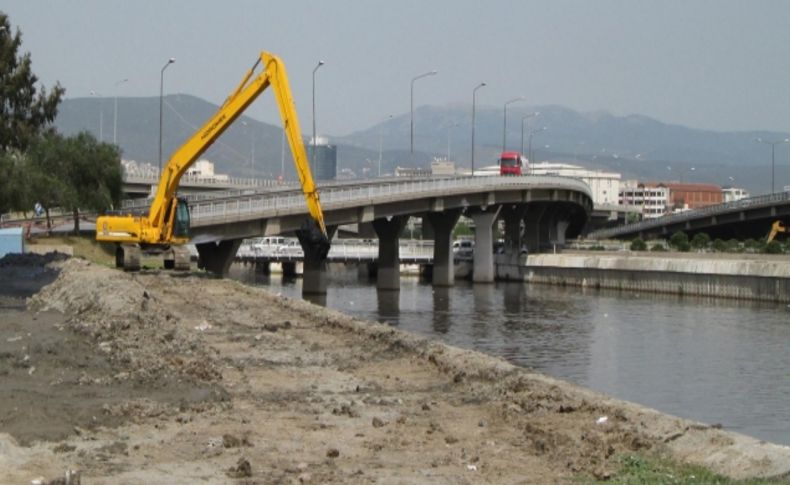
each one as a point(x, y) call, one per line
point(160, 226)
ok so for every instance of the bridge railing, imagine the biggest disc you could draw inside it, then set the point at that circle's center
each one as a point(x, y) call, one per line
point(341, 250)
point(293, 201)
point(750, 203)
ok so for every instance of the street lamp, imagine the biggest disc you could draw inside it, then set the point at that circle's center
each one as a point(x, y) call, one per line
point(532, 132)
point(474, 99)
point(426, 74)
point(381, 141)
point(161, 91)
point(101, 114)
point(773, 150)
point(504, 129)
point(524, 118)
point(312, 148)
point(252, 146)
point(115, 113)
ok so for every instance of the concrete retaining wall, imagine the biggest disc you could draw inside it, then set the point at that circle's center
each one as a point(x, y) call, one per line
point(742, 277)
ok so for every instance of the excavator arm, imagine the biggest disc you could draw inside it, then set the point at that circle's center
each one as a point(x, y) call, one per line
point(159, 227)
point(776, 228)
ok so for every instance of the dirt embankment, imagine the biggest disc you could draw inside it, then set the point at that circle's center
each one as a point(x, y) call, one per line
point(208, 380)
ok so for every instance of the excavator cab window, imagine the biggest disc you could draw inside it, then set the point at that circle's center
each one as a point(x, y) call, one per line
point(181, 226)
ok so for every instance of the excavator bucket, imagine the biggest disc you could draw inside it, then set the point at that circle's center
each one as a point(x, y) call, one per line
point(314, 242)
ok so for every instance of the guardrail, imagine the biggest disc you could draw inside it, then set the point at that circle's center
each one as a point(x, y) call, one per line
point(750, 203)
point(270, 204)
point(341, 250)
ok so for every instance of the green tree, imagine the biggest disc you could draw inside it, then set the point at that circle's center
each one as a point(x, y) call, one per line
point(638, 244)
point(700, 241)
point(774, 247)
point(26, 109)
point(75, 173)
point(680, 241)
point(719, 245)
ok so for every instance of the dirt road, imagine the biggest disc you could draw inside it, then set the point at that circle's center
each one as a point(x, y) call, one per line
point(167, 378)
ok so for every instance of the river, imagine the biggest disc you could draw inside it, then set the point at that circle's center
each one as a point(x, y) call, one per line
point(711, 360)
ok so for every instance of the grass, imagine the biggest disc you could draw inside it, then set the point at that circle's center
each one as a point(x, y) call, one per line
point(83, 246)
point(636, 469)
point(86, 247)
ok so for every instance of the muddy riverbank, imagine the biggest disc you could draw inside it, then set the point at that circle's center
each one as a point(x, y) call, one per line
point(186, 378)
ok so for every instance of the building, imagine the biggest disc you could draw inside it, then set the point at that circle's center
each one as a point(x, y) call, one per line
point(324, 160)
point(654, 199)
point(693, 196)
point(204, 169)
point(731, 194)
point(605, 186)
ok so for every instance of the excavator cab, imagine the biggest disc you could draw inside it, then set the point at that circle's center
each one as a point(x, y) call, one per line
point(181, 224)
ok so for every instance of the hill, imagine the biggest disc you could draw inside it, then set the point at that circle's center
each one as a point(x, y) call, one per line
point(634, 145)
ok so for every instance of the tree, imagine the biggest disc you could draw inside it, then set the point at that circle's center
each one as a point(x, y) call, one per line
point(75, 173)
point(700, 241)
point(680, 241)
point(26, 110)
point(638, 244)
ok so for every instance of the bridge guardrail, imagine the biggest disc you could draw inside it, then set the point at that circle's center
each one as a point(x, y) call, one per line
point(750, 203)
point(278, 203)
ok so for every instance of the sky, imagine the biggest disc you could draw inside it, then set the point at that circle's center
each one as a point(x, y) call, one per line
point(708, 64)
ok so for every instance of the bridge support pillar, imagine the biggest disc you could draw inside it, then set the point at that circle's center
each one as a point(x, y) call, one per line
point(388, 271)
point(216, 257)
point(483, 267)
point(535, 234)
point(314, 274)
point(508, 260)
point(442, 224)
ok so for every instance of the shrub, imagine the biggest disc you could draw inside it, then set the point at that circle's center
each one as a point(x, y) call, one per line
point(638, 244)
point(679, 240)
point(773, 247)
point(700, 241)
point(658, 247)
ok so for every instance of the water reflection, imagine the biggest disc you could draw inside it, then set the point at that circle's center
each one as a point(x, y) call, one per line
point(388, 306)
point(441, 309)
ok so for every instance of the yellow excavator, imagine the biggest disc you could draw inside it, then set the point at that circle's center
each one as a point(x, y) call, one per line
point(776, 228)
point(165, 229)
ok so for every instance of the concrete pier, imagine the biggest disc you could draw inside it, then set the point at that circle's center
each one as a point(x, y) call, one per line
point(388, 263)
point(443, 224)
point(483, 269)
point(216, 257)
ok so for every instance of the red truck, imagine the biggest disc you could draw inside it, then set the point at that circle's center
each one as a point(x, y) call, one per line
point(512, 163)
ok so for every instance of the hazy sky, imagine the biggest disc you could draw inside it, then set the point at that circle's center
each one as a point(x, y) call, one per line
point(714, 64)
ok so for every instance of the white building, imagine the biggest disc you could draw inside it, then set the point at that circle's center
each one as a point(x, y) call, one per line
point(653, 200)
point(605, 186)
point(731, 194)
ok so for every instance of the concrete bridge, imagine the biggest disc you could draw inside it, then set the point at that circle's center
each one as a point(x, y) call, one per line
point(539, 212)
point(745, 218)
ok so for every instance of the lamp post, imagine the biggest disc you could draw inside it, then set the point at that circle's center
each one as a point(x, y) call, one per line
point(252, 145)
point(115, 113)
point(101, 114)
point(474, 99)
point(773, 144)
point(381, 142)
point(161, 92)
point(531, 133)
point(504, 129)
point(524, 118)
point(411, 137)
point(312, 145)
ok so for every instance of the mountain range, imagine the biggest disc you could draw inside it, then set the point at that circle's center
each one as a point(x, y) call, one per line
point(636, 146)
